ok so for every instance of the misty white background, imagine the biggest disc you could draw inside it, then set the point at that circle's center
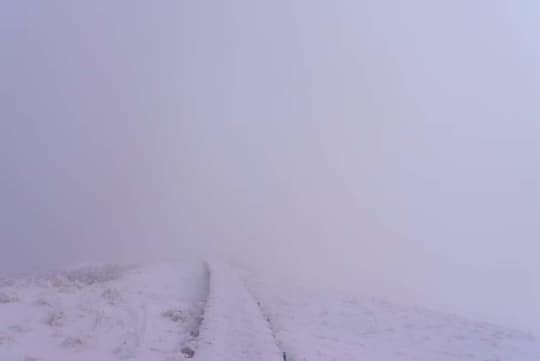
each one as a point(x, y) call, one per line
point(383, 147)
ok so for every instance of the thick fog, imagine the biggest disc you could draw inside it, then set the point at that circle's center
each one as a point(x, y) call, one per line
point(390, 148)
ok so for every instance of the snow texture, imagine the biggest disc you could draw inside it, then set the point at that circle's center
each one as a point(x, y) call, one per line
point(234, 328)
point(102, 313)
point(333, 326)
point(178, 311)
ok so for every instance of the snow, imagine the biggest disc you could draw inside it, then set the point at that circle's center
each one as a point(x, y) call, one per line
point(102, 313)
point(233, 328)
point(213, 312)
point(327, 326)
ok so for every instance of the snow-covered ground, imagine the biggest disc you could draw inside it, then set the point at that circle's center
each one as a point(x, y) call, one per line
point(102, 313)
point(174, 311)
point(234, 328)
point(333, 326)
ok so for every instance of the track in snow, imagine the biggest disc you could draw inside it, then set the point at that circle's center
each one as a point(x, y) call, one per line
point(233, 328)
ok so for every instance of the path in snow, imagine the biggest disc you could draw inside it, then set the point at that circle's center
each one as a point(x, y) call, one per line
point(233, 328)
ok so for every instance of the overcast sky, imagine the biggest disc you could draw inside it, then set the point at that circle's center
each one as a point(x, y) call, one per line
point(385, 147)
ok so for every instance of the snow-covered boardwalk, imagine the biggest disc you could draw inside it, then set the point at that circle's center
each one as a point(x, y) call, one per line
point(233, 328)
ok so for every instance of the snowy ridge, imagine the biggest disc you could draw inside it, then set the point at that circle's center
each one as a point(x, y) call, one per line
point(233, 328)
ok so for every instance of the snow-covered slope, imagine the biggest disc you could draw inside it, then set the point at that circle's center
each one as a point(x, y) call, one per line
point(330, 326)
point(174, 311)
point(102, 313)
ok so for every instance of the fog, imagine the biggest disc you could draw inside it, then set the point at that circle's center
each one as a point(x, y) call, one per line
point(383, 147)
